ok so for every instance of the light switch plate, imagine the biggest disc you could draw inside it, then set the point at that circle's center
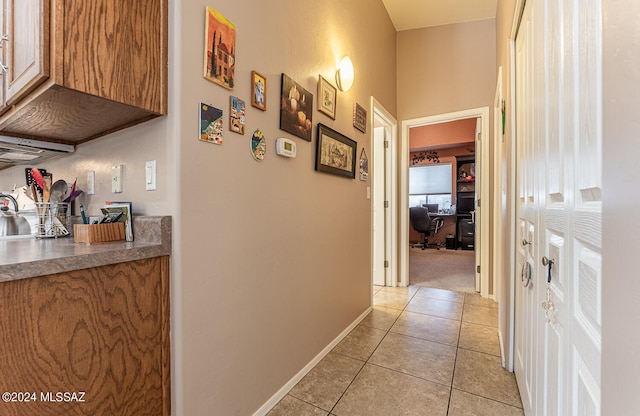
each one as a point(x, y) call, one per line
point(91, 182)
point(116, 179)
point(150, 175)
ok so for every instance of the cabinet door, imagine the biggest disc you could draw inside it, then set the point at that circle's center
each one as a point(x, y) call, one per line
point(27, 49)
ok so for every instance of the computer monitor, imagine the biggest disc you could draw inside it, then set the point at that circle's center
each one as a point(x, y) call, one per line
point(431, 207)
point(465, 204)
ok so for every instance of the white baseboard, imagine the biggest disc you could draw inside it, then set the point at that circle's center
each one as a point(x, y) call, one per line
point(502, 357)
point(275, 399)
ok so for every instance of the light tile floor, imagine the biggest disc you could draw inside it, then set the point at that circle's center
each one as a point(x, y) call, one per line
point(421, 351)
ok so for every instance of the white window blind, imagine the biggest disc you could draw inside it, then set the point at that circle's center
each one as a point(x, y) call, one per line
point(432, 179)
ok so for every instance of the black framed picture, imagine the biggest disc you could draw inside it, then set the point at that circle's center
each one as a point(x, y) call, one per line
point(335, 153)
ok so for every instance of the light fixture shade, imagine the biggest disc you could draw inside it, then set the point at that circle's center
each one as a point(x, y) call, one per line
point(345, 74)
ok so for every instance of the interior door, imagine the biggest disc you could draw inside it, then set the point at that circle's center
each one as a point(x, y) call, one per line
point(379, 249)
point(559, 141)
point(526, 300)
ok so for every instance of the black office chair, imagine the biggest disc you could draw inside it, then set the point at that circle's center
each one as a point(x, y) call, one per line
point(424, 223)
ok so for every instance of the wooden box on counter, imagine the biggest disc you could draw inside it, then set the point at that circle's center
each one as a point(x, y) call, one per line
point(98, 233)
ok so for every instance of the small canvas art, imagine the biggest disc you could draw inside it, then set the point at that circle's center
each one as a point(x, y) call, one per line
point(237, 115)
point(258, 145)
point(219, 49)
point(296, 109)
point(359, 118)
point(364, 165)
point(210, 124)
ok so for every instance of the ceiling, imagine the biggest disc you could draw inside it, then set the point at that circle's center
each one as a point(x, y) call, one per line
point(415, 14)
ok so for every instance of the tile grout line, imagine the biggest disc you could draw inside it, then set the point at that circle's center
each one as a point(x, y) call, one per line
point(370, 355)
point(455, 360)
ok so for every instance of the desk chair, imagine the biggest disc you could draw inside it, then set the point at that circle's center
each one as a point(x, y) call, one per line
point(424, 223)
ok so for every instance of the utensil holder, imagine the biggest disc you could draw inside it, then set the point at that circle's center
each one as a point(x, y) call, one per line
point(53, 219)
point(98, 233)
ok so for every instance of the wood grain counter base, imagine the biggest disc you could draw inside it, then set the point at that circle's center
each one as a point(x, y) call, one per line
point(103, 331)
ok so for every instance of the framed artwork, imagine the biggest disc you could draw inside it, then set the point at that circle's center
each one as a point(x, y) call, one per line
point(335, 153)
point(219, 49)
point(364, 165)
point(210, 124)
point(296, 109)
point(359, 117)
point(258, 145)
point(258, 91)
point(327, 94)
point(237, 110)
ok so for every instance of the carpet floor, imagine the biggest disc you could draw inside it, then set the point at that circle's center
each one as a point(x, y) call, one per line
point(443, 269)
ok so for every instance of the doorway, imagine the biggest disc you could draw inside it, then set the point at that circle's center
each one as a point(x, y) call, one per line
point(482, 192)
point(384, 200)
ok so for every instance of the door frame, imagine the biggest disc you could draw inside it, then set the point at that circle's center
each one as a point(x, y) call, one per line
point(381, 115)
point(403, 187)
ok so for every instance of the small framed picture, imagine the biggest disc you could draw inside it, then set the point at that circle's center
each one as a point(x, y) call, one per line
point(237, 114)
point(258, 91)
point(327, 94)
point(359, 118)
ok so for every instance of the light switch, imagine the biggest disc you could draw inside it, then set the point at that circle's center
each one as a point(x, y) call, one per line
point(91, 182)
point(116, 179)
point(150, 175)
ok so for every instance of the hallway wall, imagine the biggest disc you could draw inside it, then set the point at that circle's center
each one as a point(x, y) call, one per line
point(620, 283)
point(444, 69)
point(274, 257)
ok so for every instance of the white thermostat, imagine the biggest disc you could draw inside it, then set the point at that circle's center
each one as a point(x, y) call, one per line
point(285, 147)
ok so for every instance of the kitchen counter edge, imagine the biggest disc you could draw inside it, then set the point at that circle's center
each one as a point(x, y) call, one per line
point(31, 257)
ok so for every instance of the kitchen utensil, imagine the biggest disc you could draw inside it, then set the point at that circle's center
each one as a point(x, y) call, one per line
point(73, 196)
point(73, 187)
point(29, 177)
point(34, 193)
point(37, 177)
point(58, 191)
point(46, 189)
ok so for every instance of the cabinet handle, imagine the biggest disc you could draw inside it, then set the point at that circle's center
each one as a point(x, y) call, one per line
point(525, 242)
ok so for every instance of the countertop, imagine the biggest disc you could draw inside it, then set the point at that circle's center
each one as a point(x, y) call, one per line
point(30, 257)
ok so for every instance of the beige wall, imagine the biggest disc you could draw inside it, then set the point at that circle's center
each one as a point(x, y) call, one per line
point(444, 69)
point(620, 283)
point(275, 258)
point(271, 260)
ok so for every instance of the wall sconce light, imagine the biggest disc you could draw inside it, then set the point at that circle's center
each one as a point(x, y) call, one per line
point(345, 74)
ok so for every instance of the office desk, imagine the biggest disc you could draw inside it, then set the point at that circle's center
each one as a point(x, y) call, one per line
point(459, 225)
point(449, 226)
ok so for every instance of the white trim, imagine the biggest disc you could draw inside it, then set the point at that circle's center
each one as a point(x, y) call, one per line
point(378, 110)
point(403, 188)
point(497, 273)
point(511, 191)
point(275, 399)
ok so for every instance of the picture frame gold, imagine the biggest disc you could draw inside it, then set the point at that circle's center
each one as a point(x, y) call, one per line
point(327, 95)
point(258, 90)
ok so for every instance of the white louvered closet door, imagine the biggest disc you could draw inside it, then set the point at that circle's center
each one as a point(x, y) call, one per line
point(559, 141)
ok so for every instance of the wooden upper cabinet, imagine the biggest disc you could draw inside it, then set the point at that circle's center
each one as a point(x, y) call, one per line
point(81, 69)
point(27, 47)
